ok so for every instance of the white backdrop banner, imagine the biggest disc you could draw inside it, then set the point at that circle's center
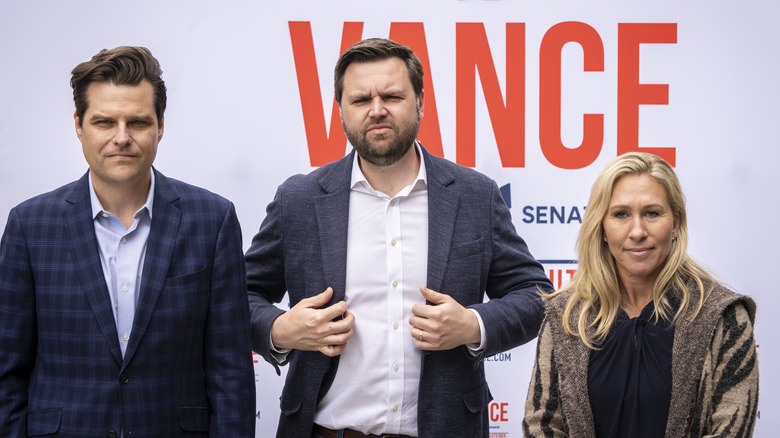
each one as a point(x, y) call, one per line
point(538, 95)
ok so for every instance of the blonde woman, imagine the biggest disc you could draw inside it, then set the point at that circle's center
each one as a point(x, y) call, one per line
point(643, 342)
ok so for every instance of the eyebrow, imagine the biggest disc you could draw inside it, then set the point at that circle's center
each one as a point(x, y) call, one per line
point(623, 206)
point(141, 117)
point(394, 91)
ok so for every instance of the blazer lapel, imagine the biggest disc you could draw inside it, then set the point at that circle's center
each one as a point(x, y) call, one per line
point(442, 208)
point(80, 230)
point(166, 217)
point(332, 223)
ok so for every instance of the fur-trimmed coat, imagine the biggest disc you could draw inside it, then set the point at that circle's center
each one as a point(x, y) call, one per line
point(714, 374)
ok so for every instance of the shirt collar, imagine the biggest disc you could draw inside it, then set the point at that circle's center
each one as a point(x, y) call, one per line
point(97, 207)
point(358, 179)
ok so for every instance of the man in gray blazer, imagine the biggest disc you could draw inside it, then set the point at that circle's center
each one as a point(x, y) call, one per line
point(387, 255)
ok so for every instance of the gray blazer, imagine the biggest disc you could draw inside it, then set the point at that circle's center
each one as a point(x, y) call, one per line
point(301, 249)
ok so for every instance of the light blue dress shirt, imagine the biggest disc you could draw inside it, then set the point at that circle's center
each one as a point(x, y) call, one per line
point(122, 254)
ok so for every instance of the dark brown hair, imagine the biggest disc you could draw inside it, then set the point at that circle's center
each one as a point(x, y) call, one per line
point(125, 65)
point(377, 49)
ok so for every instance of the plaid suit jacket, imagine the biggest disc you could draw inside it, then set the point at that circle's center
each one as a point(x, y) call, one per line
point(188, 368)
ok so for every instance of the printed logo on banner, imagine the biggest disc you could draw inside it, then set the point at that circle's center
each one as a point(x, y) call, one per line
point(500, 357)
point(552, 214)
point(559, 271)
point(507, 106)
point(256, 361)
point(545, 214)
point(499, 417)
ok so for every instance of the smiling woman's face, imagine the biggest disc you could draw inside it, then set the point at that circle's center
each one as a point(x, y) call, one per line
point(639, 227)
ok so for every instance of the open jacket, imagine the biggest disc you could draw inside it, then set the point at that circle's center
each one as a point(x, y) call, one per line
point(473, 251)
point(714, 373)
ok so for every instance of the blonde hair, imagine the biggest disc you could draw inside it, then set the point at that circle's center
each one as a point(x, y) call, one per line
point(596, 297)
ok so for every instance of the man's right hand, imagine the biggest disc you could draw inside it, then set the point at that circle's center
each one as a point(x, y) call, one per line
point(308, 327)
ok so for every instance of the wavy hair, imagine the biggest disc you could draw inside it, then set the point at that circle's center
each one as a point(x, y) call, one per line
point(124, 65)
point(596, 298)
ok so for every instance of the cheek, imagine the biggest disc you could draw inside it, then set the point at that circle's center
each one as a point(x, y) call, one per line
point(151, 151)
point(88, 146)
point(350, 116)
point(614, 248)
point(667, 246)
point(611, 232)
point(615, 237)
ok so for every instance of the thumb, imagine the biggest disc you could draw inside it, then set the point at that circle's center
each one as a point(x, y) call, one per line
point(322, 298)
point(433, 296)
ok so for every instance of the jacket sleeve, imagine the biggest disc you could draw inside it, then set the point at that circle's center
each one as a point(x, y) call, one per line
point(543, 414)
point(731, 385)
point(266, 279)
point(515, 310)
point(228, 356)
point(17, 328)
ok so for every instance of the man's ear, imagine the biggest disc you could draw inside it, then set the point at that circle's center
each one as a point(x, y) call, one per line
point(160, 129)
point(78, 124)
point(421, 103)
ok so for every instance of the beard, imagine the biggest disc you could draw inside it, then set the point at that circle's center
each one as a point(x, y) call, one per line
point(390, 154)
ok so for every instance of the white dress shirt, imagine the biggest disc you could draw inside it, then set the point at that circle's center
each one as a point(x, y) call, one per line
point(122, 254)
point(375, 387)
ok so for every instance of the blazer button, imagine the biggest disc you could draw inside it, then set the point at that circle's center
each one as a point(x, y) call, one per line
point(123, 378)
point(111, 434)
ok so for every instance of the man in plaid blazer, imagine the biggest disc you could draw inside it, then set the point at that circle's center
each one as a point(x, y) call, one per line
point(123, 308)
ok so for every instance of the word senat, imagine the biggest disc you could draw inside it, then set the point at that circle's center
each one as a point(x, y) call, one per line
point(507, 116)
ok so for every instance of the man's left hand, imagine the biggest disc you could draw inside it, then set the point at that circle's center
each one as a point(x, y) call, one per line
point(443, 325)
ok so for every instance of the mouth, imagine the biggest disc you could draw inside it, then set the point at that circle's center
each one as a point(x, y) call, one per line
point(638, 251)
point(121, 157)
point(379, 129)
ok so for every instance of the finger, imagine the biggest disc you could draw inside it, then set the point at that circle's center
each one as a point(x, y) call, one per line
point(332, 350)
point(348, 318)
point(335, 344)
point(334, 311)
point(340, 338)
point(316, 301)
point(418, 323)
point(425, 340)
point(418, 335)
point(339, 326)
point(420, 310)
point(322, 298)
point(433, 296)
point(426, 311)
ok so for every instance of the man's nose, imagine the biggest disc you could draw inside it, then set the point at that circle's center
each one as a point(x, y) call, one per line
point(122, 137)
point(378, 109)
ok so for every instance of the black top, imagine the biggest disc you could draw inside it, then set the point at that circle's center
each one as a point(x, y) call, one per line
point(630, 378)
